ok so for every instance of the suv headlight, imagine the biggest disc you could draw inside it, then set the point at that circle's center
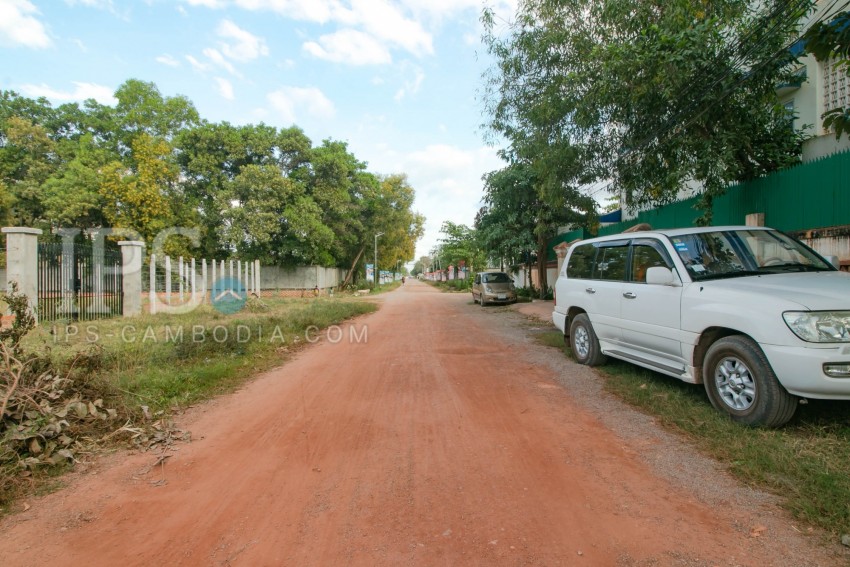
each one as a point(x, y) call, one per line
point(487, 289)
point(819, 326)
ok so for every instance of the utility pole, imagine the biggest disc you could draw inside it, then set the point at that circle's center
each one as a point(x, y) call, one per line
point(375, 272)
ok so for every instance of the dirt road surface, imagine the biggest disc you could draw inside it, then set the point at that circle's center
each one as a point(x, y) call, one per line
point(449, 438)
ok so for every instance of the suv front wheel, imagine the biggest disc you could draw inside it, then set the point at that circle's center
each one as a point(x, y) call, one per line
point(583, 342)
point(740, 382)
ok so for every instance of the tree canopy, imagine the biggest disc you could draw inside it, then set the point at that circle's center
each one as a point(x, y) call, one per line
point(151, 162)
point(651, 95)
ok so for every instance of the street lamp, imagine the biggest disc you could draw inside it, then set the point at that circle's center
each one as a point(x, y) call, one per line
point(375, 267)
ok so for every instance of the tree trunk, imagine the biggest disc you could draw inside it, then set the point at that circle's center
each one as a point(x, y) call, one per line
point(353, 265)
point(542, 276)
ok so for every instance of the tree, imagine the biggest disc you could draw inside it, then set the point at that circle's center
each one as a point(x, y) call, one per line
point(651, 95)
point(142, 109)
point(150, 163)
point(27, 159)
point(523, 214)
point(271, 218)
point(72, 195)
point(145, 197)
point(459, 245)
point(828, 41)
point(422, 265)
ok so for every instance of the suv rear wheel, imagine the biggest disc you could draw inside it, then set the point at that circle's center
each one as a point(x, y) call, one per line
point(583, 342)
point(740, 382)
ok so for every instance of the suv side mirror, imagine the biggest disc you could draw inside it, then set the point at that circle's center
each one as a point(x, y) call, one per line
point(836, 263)
point(659, 275)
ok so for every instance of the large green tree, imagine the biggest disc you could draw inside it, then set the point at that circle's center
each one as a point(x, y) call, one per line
point(652, 95)
point(521, 215)
point(458, 246)
point(151, 163)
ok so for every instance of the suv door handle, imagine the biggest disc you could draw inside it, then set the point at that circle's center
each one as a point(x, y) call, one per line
point(629, 295)
point(590, 290)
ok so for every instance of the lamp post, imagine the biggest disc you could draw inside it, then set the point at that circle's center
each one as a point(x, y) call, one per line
point(375, 273)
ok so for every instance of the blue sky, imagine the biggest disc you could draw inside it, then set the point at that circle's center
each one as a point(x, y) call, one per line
point(398, 80)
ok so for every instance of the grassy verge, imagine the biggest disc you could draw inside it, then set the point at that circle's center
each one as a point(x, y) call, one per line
point(162, 362)
point(173, 360)
point(805, 462)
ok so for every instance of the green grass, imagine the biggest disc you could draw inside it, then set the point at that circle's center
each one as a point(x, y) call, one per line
point(149, 359)
point(806, 462)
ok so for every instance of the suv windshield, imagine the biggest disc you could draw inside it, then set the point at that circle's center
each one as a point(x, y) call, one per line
point(733, 253)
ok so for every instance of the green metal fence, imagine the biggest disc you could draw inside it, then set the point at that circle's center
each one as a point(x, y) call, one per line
point(812, 195)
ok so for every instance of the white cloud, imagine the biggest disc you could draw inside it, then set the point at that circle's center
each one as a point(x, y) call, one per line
point(447, 181)
point(167, 59)
point(349, 46)
point(199, 66)
point(83, 91)
point(411, 84)
point(386, 22)
point(319, 11)
point(214, 4)
point(246, 46)
point(106, 5)
point(225, 88)
point(288, 101)
point(381, 19)
point(217, 58)
point(19, 25)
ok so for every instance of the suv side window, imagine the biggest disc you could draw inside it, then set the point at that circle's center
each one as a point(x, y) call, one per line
point(647, 254)
point(477, 278)
point(611, 261)
point(581, 262)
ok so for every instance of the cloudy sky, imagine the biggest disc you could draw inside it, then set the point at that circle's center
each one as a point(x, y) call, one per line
point(398, 80)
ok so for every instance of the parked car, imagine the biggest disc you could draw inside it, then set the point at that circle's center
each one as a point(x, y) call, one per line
point(756, 316)
point(493, 287)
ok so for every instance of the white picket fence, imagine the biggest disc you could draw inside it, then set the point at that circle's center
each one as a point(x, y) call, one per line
point(193, 288)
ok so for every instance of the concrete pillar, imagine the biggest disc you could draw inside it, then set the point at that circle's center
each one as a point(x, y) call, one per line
point(132, 253)
point(561, 252)
point(181, 278)
point(152, 290)
point(194, 282)
point(257, 278)
point(755, 219)
point(204, 279)
point(22, 262)
point(168, 280)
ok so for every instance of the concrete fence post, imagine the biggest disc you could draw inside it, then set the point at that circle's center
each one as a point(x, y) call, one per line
point(181, 276)
point(204, 279)
point(22, 262)
point(132, 253)
point(257, 278)
point(168, 280)
point(152, 284)
point(194, 278)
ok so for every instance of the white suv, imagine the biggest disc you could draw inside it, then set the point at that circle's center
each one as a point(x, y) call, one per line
point(758, 317)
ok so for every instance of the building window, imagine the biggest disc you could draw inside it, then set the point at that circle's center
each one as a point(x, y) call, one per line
point(789, 112)
point(836, 86)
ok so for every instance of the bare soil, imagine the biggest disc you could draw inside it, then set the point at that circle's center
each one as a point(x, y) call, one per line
point(449, 438)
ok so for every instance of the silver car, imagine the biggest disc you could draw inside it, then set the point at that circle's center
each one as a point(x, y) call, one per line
point(493, 287)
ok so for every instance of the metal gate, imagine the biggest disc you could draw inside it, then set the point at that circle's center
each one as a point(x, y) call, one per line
point(79, 282)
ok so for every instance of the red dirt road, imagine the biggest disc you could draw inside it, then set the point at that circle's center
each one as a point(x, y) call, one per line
point(436, 442)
